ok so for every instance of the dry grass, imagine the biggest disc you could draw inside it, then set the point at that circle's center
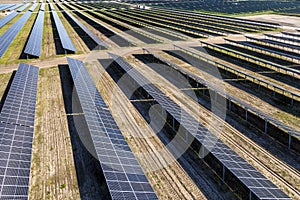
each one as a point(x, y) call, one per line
point(53, 174)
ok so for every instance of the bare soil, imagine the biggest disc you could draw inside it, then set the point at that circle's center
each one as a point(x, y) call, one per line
point(53, 174)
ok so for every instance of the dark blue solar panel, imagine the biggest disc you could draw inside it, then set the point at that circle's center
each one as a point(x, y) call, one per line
point(63, 35)
point(86, 30)
point(34, 44)
point(6, 6)
point(16, 133)
point(15, 7)
point(123, 174)
point(231, 160)
point(262, 49)
point(7, 37)
point(7, 19)
point(210, 86)
point(267, 63)
point(23, 7)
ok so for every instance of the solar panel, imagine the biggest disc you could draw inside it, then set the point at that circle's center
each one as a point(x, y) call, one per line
point(267, 51)
point(34, 44)
point(123, 174)
point(51, 7)
point(230, 160)
point(247, 106)
point(268, 42)
point(42, 8)
point(86, 30)
point(252, 58)
point(7, 19)
point(63, 35)
point(8, 36)
point(23, 7)
point(33, 7)
point(15, 7)
point(16, 133)
point(5, 6)
point(286, 39)
point(291, 34)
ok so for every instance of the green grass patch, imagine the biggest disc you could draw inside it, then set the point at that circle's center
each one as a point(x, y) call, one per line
point(15, 49)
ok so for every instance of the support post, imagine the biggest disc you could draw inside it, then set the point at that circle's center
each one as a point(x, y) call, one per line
point(266, 126)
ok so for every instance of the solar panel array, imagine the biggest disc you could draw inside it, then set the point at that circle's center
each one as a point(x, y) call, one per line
point(258, 184)
point(252, 58)
point(7, 19)
point(63, 35)
point(15, 7)
point(33, 7)
point(7, 37)
point(86, 30)
point(291, 34)
point(269, 42)
point(16, 133)
point(123, 174)
point(247, 106)
point(23, 7)
point(281, 38)
point(5, 6)
point(266, 50)
point(34, 44)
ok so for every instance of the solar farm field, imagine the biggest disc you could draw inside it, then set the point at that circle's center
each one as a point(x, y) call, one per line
point(149, 100)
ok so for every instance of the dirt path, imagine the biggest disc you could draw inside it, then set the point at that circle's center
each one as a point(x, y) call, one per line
point(53, 174)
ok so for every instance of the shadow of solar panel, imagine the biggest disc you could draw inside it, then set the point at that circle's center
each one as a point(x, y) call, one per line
point(221, 152)
point(63, 35)
point(116, 159)
point(34, 44)
point(16, 134)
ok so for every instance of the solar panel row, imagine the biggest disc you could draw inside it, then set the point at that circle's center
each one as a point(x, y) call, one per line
point(267, 51)
point(33, 7)
point(285, 39)
point(252, 58)
point(15, 7)
point(6, 6)
point(258, 185)
point(268, 42)
point(34, 44)
point(42, 8)
point(7, 37)
point(51, 7)
point(7, 19)
point(123, 174)
point(86, 30)
point(16, 133)
point(247, 106)
point(23, 7)
point(66, 41)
